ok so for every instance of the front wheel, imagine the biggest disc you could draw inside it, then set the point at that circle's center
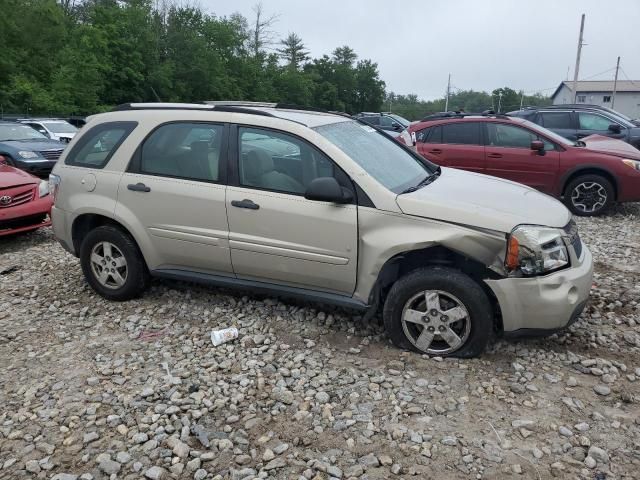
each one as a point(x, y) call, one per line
point(589, 195)
point(438, 311)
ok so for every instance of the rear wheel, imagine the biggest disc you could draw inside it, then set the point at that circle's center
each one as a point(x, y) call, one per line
point(112, 264)
point(589, 195)
point(440, 312)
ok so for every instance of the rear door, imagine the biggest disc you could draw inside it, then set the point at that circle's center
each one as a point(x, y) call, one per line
point(278, 236)
point(561, 122)
point(590, 123)
point(457, 145)
point(509, 156)
point(173, 194)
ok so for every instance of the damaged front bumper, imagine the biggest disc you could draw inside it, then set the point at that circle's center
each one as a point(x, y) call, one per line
point(543, 305)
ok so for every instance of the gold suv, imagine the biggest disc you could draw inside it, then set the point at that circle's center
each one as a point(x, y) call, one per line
point(320, 206)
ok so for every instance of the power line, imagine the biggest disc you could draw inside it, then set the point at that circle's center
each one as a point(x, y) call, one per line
point(635, 84)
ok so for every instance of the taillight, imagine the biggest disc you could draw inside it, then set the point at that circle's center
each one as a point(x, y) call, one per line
point(54, 185)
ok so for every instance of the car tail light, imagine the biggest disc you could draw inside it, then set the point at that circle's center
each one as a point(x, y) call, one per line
point(54, 185)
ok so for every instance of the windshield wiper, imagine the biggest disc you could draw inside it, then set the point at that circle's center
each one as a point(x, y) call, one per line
point(424, 182)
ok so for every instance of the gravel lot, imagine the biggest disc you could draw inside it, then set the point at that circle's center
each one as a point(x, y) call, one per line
point(93, 389)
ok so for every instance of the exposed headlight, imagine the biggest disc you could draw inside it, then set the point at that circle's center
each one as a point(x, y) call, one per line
point(28, 154)
point(635, 164)
point(533, 250)
point(43, 188)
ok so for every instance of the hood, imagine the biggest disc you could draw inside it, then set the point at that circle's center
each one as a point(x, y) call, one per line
point(35, 145)
point(11, 177)
point(482, 201)
point(611, 146)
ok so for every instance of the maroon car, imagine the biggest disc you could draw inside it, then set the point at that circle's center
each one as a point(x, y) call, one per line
point(589, 175)
point(25, 202)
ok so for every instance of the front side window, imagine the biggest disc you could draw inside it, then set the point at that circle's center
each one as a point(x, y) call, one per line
point(278, 161)
point(380, 156)
point(463, 133)
point(98, 144)
point(591, 121)
point(509, 136)
point(19, 132)
point(60, 127)
point(422, 135)
point(556, 119)
point(183, 150)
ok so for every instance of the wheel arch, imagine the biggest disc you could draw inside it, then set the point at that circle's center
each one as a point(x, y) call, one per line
point(591, 170)
point(437, 255)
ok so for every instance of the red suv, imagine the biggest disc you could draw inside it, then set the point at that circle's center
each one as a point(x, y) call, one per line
point(588, 175)
point(25, 203)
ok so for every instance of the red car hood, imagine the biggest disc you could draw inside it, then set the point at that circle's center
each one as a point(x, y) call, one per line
point(611, 146)
point(12, 177)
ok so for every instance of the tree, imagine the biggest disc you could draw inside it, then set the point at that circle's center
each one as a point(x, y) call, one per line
point(261, 36)
point(293, 51)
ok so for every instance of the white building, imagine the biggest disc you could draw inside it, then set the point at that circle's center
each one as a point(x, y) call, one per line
point(600, 93)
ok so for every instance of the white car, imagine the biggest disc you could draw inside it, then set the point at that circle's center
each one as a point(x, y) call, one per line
point(60, 130)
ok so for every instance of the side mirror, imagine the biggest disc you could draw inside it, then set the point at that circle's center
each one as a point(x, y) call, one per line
point(3, 161)
point(396, 126)
point(327, 189)
point(538, 146)
point(614, 127)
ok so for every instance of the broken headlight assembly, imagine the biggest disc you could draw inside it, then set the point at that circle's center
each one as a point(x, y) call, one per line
point(533, 250)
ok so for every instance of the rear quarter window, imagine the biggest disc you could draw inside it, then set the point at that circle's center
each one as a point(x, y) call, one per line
point(98, 144)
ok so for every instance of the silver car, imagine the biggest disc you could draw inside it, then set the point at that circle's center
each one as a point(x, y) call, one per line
point(320, 206)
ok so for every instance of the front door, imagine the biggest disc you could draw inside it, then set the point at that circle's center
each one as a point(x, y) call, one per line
point(174, 193)
point(275, 234)
point(509, 156)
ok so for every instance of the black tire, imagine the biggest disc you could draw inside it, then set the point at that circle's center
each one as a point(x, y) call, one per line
point(599, 184)
point(448, 281)
point(137, 274)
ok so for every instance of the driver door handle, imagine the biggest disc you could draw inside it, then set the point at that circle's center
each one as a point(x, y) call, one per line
point(138, 187)
point(246, 203)
point(494, 155)
point(435, 150)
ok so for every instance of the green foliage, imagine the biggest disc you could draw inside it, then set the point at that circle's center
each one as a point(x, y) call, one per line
point(83, 56)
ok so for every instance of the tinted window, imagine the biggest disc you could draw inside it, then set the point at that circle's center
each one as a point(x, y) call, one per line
point(502, 135)
point(591, 121)
point(422, 135)
point(278, 161)
point(467, 133)
point(97, 146)
point(435, 136)
point(183, 150)
point(372, 120)
point(386, 121)
point(556, 119)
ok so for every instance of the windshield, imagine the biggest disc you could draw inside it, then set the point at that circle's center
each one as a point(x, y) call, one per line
point(548, 133)
point(402, 121)
point(19, 132)
point(380, 156)
point(60, 127)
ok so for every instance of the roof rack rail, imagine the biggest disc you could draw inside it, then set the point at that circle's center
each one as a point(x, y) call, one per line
point(221, 107)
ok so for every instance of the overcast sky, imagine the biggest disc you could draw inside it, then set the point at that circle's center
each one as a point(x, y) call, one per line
point(484, 44)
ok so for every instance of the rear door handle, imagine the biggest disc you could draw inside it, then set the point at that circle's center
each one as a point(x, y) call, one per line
point(246, 203)
point(494, 155)
point(138, 187)
point(435, 150)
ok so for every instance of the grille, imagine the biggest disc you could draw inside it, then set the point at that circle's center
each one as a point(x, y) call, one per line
point(18, 199)
point(22, 222)
point(574, 238)
point(51, 154)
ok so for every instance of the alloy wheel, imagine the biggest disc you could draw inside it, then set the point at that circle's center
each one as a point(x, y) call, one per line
point(589, 197)
point(436, 322)
point(109, 265)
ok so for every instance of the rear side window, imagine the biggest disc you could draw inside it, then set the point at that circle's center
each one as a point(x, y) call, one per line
point(556, 119)
point(467, 133)
point(183, 150)
point(98, 144)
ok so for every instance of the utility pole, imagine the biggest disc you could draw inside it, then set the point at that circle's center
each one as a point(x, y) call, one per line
point(577, 69)
point(446, 104)
point(521, 99)
point(615, 84)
